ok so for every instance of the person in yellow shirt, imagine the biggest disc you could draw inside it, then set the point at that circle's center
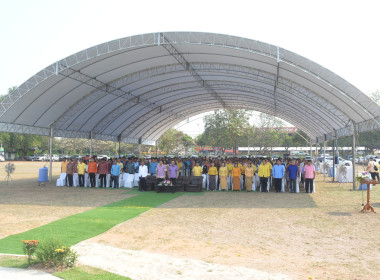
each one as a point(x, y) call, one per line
point(197, 170)
point(249, 173)
point(121, 164)
point(230, 167)
point(179, 165)
point(236, 173)
point(64, 169)
point(223, 173)
point(81, 167)
point(212, 172)
point(64, 166)
point(264, 173)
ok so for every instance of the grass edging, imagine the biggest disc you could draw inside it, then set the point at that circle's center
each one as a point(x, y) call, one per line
point(88, 272)
point(82, 272)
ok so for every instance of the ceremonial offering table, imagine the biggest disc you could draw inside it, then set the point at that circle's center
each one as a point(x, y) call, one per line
point(368, 206)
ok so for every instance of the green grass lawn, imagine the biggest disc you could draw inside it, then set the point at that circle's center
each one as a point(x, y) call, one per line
point(73, 229)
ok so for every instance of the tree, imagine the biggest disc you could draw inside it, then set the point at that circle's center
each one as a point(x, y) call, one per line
point(187, 142)
point(21, 143)
point(265, 134)
point(224, 128)
point(174, 141)
point(10, 90)
point(376, 96)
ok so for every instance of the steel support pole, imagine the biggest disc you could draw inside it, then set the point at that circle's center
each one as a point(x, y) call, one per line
point(156, 148)
point(333, 177)
point(51, 155)
point(91, 144)
point(353, 161)
point(311, 150)
point(119, 147)
point(315, 156)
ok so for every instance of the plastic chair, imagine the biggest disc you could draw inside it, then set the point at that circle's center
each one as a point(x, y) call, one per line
point(61, 180)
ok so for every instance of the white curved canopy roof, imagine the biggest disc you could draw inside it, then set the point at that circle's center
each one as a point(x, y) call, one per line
point(135, 88)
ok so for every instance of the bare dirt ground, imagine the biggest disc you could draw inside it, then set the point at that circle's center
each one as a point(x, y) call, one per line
point(25, 205)
point(323, 235)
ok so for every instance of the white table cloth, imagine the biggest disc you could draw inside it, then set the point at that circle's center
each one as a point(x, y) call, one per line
point(86, 180)
point(128, 182)
point(75, 180)
point(136, 180)
point(345, 177)
point(61, 180)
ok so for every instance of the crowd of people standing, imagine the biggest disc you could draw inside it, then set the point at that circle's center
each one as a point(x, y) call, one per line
point(219, 173)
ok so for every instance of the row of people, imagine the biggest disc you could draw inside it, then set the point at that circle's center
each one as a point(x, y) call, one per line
point(219, 172)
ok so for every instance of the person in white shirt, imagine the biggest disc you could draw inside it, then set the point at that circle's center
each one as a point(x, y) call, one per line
point(371, 168)
point(143, 172)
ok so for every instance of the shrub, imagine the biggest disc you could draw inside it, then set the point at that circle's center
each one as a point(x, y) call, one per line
point(51, 252)
point(45, 252)
point(65, 257)
point(29, 247)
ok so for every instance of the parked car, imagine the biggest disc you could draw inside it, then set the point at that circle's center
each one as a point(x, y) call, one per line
point(61, 157)
point(329, 160)
point(102, 156)
point(31, 158)
point(41, 157)
point(54, 158)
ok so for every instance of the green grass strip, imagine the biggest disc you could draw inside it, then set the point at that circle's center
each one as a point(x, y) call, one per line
point(76, 228)
point(87, 272)
point(14, 261)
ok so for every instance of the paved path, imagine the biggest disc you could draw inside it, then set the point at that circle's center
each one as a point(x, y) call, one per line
point(24, 274)
point(140, 265)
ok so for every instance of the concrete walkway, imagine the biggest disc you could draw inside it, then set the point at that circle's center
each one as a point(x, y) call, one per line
point(140, 265)
point(24, 274)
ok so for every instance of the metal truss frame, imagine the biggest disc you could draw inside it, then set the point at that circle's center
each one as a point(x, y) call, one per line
point(220, 86)
point(242, 103)
point(339, 123)
point(202, 67)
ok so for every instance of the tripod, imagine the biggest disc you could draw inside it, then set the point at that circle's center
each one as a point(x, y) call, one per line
point(8, 177)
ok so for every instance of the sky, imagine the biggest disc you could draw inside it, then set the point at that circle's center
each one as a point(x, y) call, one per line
point(340, 35)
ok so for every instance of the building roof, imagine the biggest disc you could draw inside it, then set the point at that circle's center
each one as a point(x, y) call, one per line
point(135, 88)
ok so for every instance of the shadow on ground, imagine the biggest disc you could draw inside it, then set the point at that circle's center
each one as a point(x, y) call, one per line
point(28, 192)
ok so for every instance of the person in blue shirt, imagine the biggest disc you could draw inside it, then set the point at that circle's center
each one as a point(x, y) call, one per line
point(278, 173)
point(292, 172)
point(153, 167)
point(115, 172)
point(136, 163)
point(187, 164)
